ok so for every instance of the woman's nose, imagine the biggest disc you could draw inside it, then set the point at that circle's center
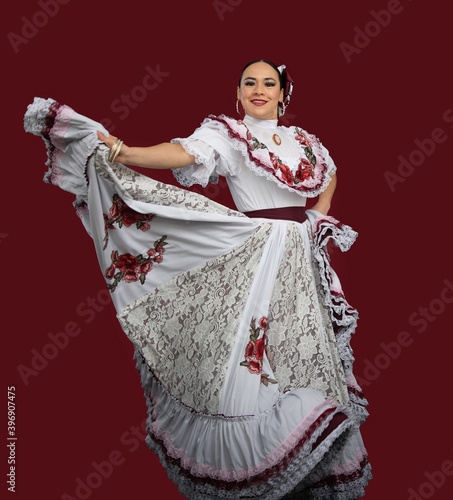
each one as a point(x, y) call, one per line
point(259, 89)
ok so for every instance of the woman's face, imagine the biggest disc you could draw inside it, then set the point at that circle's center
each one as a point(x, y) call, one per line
point(260, 91)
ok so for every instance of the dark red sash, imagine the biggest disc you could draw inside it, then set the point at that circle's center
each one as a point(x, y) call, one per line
point(296, 214)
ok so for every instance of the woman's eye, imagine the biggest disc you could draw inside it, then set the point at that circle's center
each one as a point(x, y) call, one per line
point(270, 84)
point(248, 83)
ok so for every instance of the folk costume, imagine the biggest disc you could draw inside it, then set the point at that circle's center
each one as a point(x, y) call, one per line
point(240, 327)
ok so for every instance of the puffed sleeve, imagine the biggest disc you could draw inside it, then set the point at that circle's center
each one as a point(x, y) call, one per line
point(213, 154)
point(70, 139)
point(331, 167)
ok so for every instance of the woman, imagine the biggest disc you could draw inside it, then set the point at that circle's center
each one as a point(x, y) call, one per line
point(239, 323)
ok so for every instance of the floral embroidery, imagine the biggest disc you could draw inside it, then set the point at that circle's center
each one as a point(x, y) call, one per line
point(121, 214)
point(308, 147)
point(305, 168)
point(310, 177)
point(254, 351)
point(130, 268)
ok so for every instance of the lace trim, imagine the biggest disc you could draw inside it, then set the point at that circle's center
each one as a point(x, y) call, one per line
point(271, 485)
point(133, 185)
point(299, 332)
point(260, 165)
point(196, 177)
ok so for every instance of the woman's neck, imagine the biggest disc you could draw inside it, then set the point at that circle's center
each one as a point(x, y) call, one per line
point(258, 122)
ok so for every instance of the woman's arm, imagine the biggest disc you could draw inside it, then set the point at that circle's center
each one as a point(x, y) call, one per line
point(165, 155)
point(325, 198)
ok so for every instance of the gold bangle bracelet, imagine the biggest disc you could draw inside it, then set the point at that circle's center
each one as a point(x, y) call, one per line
point(117, 152)
point(113, 149)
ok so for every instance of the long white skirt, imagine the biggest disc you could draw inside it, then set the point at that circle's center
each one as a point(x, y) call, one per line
point(240, 327)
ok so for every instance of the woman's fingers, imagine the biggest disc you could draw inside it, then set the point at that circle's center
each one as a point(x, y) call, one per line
point(108, 140)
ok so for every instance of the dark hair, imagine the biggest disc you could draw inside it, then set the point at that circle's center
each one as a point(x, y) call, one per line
point(280, 76)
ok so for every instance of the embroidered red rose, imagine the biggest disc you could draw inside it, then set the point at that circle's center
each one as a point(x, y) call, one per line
point(110, 272)
point(130, 275)
point(250, 350)
point(108, 223)
point(115, 209)
point(254, 366)
point(126, 261)
point(302, 138)
point(305, 170)
point(130, 217)
point(145, 267)
point(286, 174)
point(160, 250)
point(274, 159)
point(260, 344)
point(122, 214)
point(263, 323)
point(133, 268)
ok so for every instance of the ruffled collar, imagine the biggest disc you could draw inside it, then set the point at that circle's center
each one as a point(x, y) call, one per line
point(257, 122)
point(309, 178)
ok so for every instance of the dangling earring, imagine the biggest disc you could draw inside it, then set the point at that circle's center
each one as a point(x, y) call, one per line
point(282, 109)
point(237, 107)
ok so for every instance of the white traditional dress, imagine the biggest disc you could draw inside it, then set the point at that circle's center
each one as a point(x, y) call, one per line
point(240, 327)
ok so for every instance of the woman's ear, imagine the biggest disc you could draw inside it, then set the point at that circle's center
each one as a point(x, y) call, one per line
point(238, 93)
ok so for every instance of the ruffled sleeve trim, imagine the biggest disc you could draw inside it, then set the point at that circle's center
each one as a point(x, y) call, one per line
point(203, 171)
point(70, 140)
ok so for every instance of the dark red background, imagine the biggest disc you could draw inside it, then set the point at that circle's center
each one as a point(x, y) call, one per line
point(367, 111)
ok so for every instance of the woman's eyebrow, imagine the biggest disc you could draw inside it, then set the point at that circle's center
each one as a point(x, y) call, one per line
point(253, 78)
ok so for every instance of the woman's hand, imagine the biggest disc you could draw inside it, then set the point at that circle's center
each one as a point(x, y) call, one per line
point(110, 140)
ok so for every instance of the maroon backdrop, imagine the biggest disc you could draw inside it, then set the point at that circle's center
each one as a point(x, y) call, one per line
point(372, 79)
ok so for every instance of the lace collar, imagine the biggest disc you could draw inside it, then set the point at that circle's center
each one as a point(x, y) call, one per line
point(308, 179)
